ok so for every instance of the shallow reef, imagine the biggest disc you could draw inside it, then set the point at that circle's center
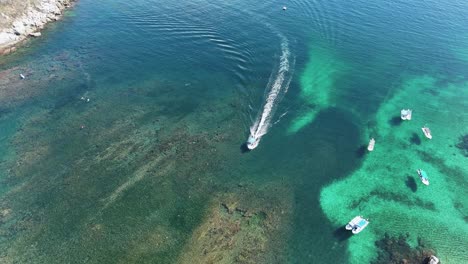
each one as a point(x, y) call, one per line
point(241, 227)
point(463, 145)
point(396, 250)
point(392, 196)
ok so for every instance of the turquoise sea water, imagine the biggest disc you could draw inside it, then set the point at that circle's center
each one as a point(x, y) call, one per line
point(153, 168)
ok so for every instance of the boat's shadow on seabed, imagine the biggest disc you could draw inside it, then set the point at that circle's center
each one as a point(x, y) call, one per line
point(411, 183)
point(361, 151)
point(395, 121)
point(342, 234)
point(244, 148)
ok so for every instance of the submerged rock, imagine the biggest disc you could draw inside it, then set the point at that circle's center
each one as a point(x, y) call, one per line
point(397, 250)
point(463, 145)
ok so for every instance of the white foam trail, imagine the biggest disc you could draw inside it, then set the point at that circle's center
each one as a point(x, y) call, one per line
point(278, 87)
point(279, 118)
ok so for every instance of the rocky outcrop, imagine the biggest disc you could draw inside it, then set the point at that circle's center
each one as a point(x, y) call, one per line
point(30, 22)
point(392, 250)
point(463, 145)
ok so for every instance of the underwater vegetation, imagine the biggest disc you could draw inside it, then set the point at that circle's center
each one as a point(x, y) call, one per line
point(396, 250)
point(463, 145)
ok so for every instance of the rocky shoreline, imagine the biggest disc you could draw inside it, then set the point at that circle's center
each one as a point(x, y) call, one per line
point(29, 22)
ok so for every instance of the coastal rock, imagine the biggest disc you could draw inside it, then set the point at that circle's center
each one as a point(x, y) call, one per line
point(7, 50)
point(19, 28)
point(4, 16)
point(35, 34)
point(16, 27)
point(51, 17)
point(6, 38)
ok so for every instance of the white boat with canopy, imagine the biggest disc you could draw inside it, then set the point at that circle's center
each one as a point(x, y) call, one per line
point(406, 114)
point(357, 224)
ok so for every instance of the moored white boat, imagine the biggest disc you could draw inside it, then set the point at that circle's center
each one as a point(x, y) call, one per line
point(406, 114)
point(371, 145)
point(357, 224)
point(433, 260)
point(427, 132)
point(423, 176)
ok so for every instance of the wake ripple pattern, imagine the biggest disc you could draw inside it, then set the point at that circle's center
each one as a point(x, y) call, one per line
point(278, 86)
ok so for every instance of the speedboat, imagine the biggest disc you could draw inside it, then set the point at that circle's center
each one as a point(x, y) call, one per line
point(357, 224)
point(406, 114)
point(371, 145)
point(252, 142)
point(423, 176)
point(427, 132)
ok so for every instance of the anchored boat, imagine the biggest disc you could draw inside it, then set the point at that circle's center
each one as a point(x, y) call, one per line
point(427, 132)
point(406, 114)
point(423, 176)
point(433, 260)
point(371, 145)
point(357, 224)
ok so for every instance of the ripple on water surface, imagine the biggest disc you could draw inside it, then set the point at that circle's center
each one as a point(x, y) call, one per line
point(155, 172)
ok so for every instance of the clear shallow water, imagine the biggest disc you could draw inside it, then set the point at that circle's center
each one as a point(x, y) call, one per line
point(174, 88)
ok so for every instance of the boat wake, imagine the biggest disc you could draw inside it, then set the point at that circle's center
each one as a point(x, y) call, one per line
point(277, 86)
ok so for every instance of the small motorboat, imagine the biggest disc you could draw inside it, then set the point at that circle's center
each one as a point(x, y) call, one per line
point(371, 145)
point(423, 176)
point(427, 132)
point(433, 260)
point(406, 114)
point(284, 8)
point(252, 142)
point(357, 224)
point(22, 76)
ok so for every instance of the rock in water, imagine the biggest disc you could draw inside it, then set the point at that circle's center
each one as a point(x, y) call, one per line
point(35, 34)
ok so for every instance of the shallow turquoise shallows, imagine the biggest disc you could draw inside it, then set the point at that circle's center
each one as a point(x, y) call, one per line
point(125, 143)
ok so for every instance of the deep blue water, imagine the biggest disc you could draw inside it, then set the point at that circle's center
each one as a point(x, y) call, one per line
point(204, 66)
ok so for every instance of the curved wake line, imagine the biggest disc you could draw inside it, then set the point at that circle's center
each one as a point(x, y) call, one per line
point(279, 86)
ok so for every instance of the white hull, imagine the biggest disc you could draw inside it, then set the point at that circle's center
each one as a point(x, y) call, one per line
point(427, 132)
point(424, 180)
point(357, 224)
point(406, 114)
point(251, 146)
point(358, 230)
point(434, 260)
point(252, 142)
point(371, 145)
